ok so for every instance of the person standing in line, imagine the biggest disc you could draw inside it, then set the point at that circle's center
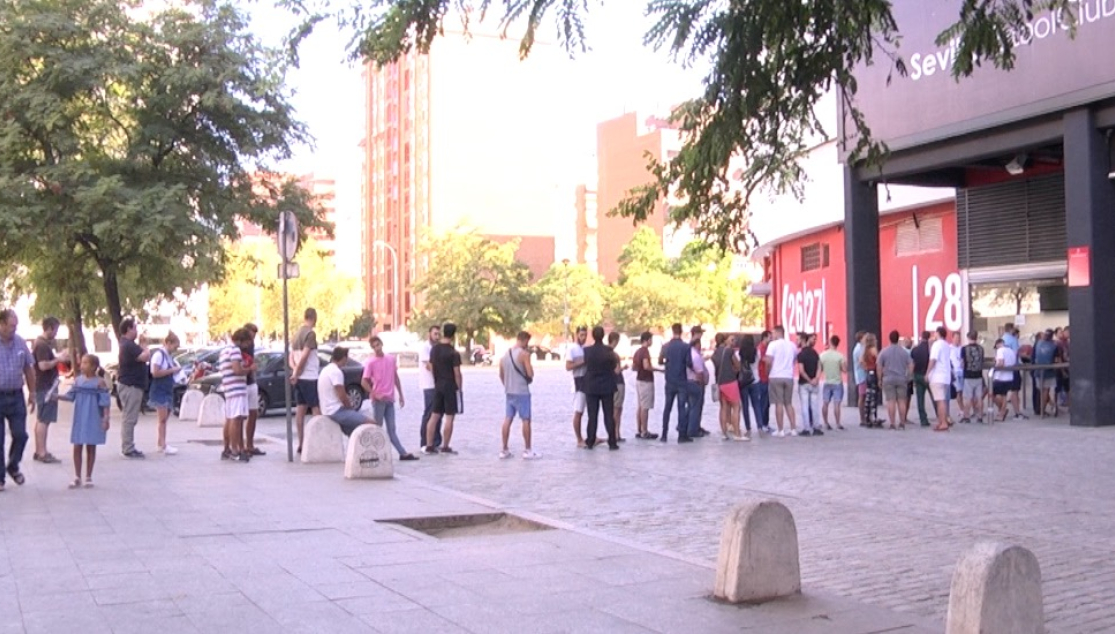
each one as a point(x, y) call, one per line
point(445, 363)
point(920, 357)
point(161, 394)
point(975, 390)
point(896, 368)
point(1002, 379)
point(644, 385)
point(764, 382)
point(726, 367)
point(677, 359)
point(131, 383)
point(1010, 340)
point(92, 404)
point(575, 364)
point(46, 387)
point(781, 356)
point(305, 368)
point(940, 376)
point(750, 389)
point(860, 376)
point(809, 379)
point(426, 383)
point(516, 374)
point(16, 368)
point(957, 369)
point(253, 395)
point(621, 387)
point(1045, 353)
point(696, 379)
point(870, 363)
point(381, 381)
point(600, 387)
point(833, 368)
point(234, 387)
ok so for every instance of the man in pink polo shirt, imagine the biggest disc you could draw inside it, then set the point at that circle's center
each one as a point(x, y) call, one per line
point(381, 380)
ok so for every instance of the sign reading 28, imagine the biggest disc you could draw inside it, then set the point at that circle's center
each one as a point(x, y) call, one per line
point(943, 301)
point(804, 310)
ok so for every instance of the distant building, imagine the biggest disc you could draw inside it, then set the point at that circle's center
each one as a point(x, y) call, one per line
point(587, 230)
point(461, 136)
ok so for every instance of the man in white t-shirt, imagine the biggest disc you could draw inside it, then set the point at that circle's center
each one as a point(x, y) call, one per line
point(333, 397)
point(426, 383)
point(1002, 381)
point(781, 358)
point(575, 364)
point(304, 369)
point(939, 375)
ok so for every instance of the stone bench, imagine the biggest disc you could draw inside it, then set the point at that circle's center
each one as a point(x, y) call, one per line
point(996, 589)
point(190, 407)
point(211, 412)
point(369, 454)
point(758, 558)
point(322, 441)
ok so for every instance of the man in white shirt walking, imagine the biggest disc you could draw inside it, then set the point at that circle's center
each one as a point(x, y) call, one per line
point(940, 376)
point(781, 357)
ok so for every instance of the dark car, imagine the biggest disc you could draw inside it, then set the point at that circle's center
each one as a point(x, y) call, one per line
point(542, 353)
point(271, 376)
point(188, 359)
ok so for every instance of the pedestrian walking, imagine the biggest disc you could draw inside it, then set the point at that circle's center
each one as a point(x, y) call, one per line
point(16, 368)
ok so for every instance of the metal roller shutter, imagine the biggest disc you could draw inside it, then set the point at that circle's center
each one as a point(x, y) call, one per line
point(1019, 222)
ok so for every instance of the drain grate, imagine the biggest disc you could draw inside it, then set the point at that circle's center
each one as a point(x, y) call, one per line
point(474, 525)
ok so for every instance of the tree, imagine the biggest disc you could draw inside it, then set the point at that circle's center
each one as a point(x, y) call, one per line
point(643, 254)
point(569, 285)
point(251, 291)
point(770, 65)
point(132, 147)
point(362, 325)
point(475, 283)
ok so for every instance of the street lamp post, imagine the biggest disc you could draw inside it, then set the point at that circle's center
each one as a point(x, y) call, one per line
point(566, 317)
point(395, 283)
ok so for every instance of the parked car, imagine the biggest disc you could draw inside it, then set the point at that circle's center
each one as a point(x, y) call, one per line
point(542, 353)
point(271, 375)
point(188, 359)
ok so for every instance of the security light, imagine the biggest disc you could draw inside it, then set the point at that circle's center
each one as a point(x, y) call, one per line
point(1017, 165)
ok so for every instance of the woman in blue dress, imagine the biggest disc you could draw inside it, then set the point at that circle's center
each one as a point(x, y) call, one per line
point(90, 397)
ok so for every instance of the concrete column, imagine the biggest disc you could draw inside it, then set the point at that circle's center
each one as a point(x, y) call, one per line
point(1090, 218)
point(861, 263)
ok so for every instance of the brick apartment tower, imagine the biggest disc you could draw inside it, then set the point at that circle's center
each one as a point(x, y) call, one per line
point(460, 137)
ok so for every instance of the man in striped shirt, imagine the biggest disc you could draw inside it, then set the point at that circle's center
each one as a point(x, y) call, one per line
point(234, 384)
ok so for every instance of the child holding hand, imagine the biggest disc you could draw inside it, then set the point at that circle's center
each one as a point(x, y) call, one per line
point(91, 400)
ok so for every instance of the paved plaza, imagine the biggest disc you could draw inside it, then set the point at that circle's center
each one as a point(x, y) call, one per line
point(189, 543)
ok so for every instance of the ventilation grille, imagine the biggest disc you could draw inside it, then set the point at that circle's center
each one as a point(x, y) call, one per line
point(1012, 223)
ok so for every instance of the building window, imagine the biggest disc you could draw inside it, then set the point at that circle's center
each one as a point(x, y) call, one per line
point(814, 256)
point(914, 236)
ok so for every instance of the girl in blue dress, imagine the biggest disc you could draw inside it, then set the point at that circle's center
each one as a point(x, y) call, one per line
point(91, 412)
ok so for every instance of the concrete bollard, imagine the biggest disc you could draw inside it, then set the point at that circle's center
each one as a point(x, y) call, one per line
point(369, 454)
point(996, 589)
point(758, 557)
point(211, 413)
point(323, 441)
point(191, 405)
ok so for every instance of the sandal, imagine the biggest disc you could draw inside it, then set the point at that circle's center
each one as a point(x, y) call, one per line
point(88, 483)
point(76, 484)
point(945, 428)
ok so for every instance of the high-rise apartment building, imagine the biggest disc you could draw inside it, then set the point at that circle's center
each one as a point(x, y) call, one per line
point(623, 146)
point(469, 136)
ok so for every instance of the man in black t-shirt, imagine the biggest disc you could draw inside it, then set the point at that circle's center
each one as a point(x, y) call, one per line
point(809, 384)
point(46, 392)
point(974, 389)
point(445, 363)
point(920, 356)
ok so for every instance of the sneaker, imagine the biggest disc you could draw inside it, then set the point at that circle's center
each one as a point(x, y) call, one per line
point(793, 432)
point(804, 432)
point(408, 457)
point(504, 455)
point(244, 457)
point(965, 421)
point(744, 438)
point(777, 433)
point(1021, 417)
point(817, 432)
point(168, 451)
point(530, 455)
point(226, 455)
point(726, 438)
point(429, 451)
point(135, 453)
point(650, 436)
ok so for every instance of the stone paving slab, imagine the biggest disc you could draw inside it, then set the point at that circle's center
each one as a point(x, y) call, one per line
point(192, 544)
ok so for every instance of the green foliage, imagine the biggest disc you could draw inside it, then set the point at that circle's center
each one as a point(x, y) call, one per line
point(362, 325)
point(475, 283)
point(130, 147)
point(569, 285)
point(642, 254)
point(770, 64)
point(251, 291)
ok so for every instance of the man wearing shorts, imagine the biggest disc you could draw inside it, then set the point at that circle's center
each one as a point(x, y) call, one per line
point(305, 367)
point(1002, 381)
point(895, 367)
point(234, 387)
point(971, 360)
point(644, 385)
point(833, 367)
point(516, 375)
point(253, 395)
point(445, 363)
point(1010, 340)
point(939, 374)
point(781, 357)
point(575, 364)
point(46, 392)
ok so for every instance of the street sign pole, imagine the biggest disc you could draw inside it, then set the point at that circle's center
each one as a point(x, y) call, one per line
point(288, 245)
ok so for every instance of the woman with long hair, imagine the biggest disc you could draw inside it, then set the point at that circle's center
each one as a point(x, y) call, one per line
point(871, 401)
point(749, 388)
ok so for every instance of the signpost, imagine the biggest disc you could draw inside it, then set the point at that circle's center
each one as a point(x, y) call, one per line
point(288, 247)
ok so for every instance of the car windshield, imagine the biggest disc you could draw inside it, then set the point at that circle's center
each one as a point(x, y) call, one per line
point(186, 357)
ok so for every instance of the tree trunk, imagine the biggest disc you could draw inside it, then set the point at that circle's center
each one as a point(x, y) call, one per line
point(112, 296)
point(77, 332)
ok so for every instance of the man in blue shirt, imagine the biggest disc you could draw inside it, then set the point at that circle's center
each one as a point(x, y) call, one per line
point(1010, 340)
point(16, 368)
point(677, 357)
point(1045, 353)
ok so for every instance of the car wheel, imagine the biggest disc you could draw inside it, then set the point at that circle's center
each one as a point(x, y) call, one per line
point(355, 396)
point(264, 403)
